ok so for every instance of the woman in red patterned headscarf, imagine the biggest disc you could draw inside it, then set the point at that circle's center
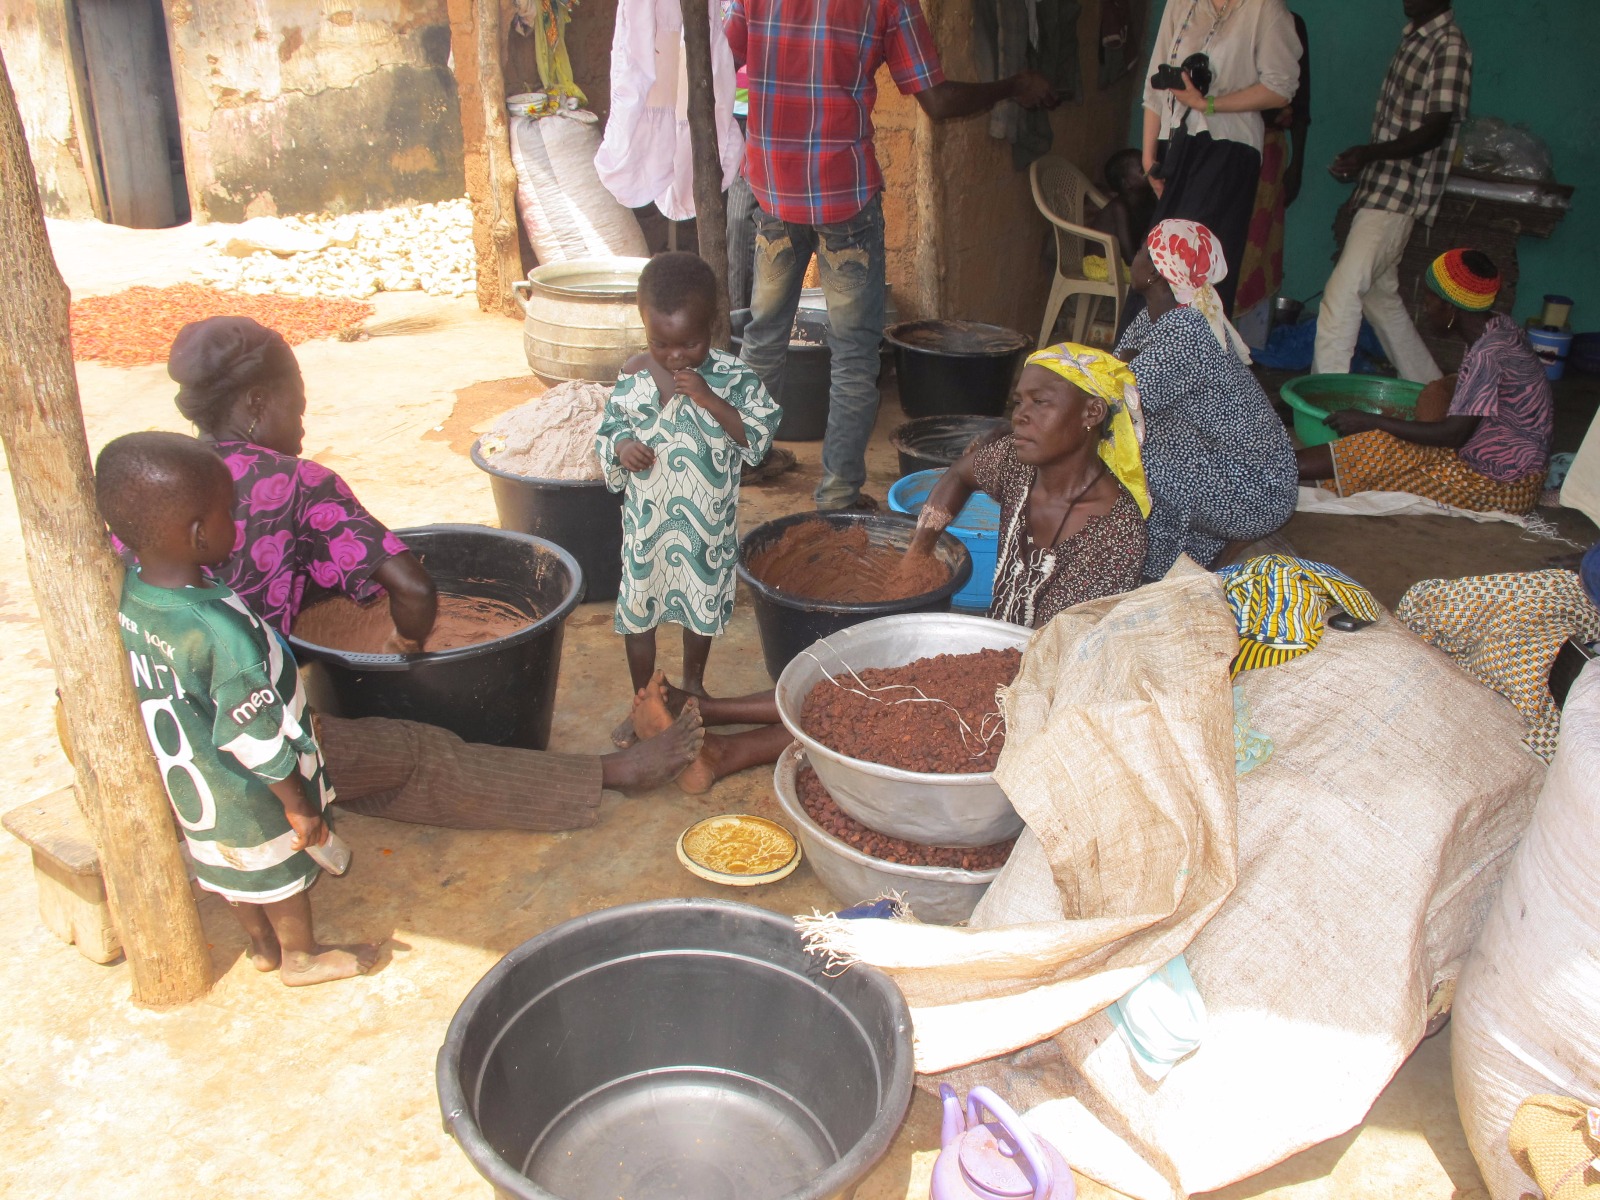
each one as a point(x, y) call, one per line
point(1218, 460)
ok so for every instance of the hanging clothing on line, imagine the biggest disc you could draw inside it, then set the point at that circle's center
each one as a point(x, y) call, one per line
point(1010, 35)
point(646, 156)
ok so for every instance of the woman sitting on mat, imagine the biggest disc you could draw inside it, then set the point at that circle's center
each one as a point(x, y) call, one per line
point(1217, 458)
point(1490, 451)
point(1072, 503)
point(299, 523)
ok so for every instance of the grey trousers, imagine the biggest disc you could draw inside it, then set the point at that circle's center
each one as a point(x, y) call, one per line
point(741, 242)
point(408, 771)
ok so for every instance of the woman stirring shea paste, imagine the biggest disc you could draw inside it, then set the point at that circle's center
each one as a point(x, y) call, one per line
point(1072, 497)
point(298, 524)
point(1069, 482)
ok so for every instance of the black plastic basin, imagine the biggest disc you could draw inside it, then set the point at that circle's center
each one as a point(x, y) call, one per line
point(955, 367)
point(502, 692)
point(682, 1049)
point(933, 443)
point(789, 624)
point(807, 375)
point(582, 516)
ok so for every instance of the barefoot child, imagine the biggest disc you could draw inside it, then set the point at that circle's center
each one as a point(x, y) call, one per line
point(679, 423)
point(221, 702)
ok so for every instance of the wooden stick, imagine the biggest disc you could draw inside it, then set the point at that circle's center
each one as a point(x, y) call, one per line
point(76, 581)
point(710, 206)
point(502, 193)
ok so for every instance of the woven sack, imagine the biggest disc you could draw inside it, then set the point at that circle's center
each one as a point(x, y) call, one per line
point(1369, 847)
point(1527, 1018)
point(1119, 756)
point(565, 209)
point(1552, 1141)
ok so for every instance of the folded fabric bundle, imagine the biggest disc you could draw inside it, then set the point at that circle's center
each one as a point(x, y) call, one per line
point(1280, 603)
point(1505, 631)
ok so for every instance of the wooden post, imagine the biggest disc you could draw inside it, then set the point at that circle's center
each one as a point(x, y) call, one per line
point(76, 580)
point(500, 198)
point(710, 206)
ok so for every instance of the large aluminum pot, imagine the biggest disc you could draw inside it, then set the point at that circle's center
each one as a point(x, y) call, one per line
point(935, 895)
point(937, 810)
point(582, 318)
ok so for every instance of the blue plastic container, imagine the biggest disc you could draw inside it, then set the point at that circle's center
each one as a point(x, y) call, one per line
point(1552, 347)
point(977, 526)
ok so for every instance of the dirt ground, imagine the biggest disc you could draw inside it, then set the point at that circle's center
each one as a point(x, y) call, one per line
point(259, 1091)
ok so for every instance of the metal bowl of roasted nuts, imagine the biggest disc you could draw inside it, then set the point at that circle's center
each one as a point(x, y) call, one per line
point(856, 864)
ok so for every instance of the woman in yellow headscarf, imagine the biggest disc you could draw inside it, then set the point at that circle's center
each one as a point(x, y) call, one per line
point(1070, 485)
point(1073, 501)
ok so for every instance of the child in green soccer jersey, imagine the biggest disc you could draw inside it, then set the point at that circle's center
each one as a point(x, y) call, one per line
point(221, 702)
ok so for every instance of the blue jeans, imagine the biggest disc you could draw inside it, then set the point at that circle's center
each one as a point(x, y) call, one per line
point(851, 258)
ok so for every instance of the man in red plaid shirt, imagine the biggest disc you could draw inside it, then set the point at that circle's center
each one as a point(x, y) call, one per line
point(810, 163)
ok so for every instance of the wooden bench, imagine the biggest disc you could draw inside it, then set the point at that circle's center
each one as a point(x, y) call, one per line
point(66, 868)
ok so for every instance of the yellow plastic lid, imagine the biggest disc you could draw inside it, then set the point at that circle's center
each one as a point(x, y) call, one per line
point(738, 850)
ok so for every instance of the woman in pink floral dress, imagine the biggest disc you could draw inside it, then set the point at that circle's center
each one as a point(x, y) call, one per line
point(298, 522)
point(300, 529)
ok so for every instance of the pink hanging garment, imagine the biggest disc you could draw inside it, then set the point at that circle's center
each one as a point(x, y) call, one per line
point(645, 156)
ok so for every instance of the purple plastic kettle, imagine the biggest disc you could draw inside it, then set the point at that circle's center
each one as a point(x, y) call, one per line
point(994, 1160)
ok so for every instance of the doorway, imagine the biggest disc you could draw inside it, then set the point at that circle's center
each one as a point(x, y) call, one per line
point(129, 107)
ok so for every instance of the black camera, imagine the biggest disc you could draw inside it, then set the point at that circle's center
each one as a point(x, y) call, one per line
point(1169, 78)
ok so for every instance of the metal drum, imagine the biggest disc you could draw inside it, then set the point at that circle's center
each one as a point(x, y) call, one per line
point(581, 318)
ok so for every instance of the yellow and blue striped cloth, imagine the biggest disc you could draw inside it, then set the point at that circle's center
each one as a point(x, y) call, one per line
point(1279, 604)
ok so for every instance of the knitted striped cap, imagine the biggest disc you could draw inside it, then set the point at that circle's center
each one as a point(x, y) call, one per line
point(1466, 278)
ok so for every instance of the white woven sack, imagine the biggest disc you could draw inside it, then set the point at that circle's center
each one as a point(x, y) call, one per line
point(1369, 848)
point(565, 209)
point(1119, 756)
point(1527, 1015)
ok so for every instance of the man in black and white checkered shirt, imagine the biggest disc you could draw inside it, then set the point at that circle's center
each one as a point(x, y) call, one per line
point(1401, 180)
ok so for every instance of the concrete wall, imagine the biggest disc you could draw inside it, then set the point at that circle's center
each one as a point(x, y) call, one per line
point(315, 105)
point(1533, 62)
point(33, 38)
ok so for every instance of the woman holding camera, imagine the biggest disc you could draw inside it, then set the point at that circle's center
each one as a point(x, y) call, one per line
point(1217, 65)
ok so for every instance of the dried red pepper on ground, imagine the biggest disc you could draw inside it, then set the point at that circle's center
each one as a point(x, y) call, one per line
point(137, 326)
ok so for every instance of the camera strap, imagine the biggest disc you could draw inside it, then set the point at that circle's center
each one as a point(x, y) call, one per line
point(1217, 22)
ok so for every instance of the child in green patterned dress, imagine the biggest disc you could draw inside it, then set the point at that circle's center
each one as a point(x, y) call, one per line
point(681, 420)
point(221, 702)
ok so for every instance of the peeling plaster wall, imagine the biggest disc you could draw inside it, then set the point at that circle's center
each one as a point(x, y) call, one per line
point(294, 106)
point(33, 38)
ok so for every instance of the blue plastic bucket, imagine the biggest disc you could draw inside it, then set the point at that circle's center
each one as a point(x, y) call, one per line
point(1552, 346)
point(977, 526)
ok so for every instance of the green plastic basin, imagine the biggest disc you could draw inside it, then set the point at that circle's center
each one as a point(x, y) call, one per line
point(1313, 397)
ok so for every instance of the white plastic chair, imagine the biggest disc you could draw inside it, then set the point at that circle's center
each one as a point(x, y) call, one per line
point(1059, 190)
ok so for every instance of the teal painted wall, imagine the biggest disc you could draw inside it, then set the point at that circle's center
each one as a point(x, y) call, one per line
point(1534, 61)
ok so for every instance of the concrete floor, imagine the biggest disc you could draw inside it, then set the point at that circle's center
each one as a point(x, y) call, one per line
point(259, 1091)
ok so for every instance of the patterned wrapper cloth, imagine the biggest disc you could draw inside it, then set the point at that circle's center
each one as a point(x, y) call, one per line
point(1280, 604)
point(1505, 631)
point(1190, 258)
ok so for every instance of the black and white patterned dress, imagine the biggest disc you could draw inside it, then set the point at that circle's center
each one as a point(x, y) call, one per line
point(1217, 458)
